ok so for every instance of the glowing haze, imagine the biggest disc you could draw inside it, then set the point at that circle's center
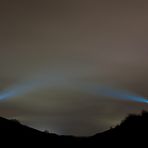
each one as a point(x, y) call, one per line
point(73, 66)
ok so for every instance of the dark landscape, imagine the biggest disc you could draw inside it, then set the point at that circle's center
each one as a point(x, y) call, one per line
point(133, 130)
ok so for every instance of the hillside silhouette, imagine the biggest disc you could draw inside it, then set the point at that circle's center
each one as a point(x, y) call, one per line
point(132, 131)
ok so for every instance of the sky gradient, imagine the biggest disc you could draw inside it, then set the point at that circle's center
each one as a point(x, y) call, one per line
point(102, 42)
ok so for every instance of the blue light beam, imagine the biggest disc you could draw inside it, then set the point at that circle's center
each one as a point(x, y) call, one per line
point(65, 83)
point(97, 90)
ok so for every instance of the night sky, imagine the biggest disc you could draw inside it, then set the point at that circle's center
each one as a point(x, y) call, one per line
point(73, 41)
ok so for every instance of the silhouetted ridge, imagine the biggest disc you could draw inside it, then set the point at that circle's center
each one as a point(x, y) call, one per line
point(14, 128)
point(132, 130)
point(133, 121)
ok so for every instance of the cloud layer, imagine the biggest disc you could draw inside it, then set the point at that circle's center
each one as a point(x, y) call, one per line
point(92, 41)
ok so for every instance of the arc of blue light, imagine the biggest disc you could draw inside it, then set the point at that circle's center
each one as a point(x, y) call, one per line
point(29, 86)
point(98, 90)
point(93, 89)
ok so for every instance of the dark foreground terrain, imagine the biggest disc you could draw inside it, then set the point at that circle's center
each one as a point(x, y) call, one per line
point(132, 131)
